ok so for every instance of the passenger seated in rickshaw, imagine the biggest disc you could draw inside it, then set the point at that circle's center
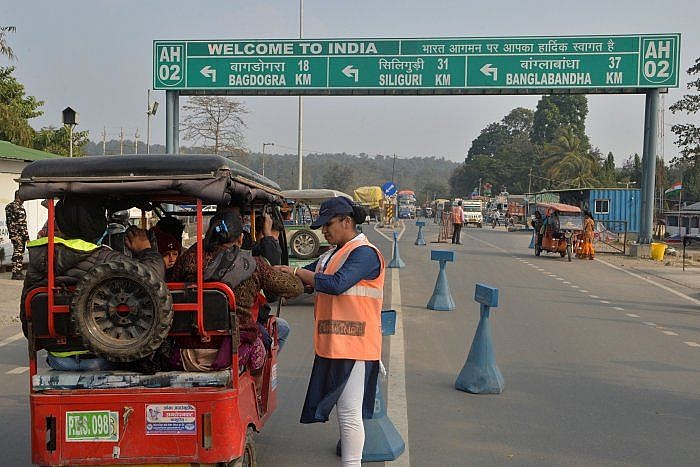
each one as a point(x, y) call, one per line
point(537, 224)
point(267, 246)
point(81, 224)
point(222, 249)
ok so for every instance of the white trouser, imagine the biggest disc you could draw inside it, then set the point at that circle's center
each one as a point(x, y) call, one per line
point(349, 407)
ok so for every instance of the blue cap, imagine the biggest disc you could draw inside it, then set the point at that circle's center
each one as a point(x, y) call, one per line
point(339, 206)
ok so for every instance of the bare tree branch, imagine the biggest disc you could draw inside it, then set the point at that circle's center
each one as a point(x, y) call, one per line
point(5, 49)
point(215, 122)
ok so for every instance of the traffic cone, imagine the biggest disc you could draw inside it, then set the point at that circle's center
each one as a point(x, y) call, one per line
point(420, 240)
point(480, 374)
point(441, 300)
point(396, 261)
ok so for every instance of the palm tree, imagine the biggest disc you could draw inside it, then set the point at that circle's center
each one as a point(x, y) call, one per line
point(4, 48)
point(567, 161)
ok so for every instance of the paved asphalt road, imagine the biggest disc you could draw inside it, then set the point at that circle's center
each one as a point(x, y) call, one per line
point(600, 367)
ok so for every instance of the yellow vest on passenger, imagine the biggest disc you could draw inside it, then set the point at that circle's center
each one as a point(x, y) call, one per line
point(349, 325)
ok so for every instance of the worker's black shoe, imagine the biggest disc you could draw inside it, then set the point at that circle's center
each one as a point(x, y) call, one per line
point(18, 276)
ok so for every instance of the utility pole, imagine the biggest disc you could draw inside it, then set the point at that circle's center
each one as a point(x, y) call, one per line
point(104, 141)
point(393, 167)
point(262, 157)
point(136, 143)
point(121, 141)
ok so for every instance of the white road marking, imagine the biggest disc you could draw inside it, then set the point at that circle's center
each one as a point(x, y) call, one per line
point(618, 308)
point(661, 286)
point(604, 301)
point(11, 339)
point(397, 410)
point(574, 286)
point(559, 279)
point(670, 333)
point(691, 344)
point(594, 296)
point(584, 291)
point(391, 238)
point(566, 282)
point(632, 315)
point(648, 323)
point(17, 371)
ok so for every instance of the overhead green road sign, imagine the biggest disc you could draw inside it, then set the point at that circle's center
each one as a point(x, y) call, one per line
point(629, 63)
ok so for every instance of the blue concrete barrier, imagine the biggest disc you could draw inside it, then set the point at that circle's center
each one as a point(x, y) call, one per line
point(396, 261)
point(383, 442)
point(419, 239)
point(441, 300)
point(480, 374)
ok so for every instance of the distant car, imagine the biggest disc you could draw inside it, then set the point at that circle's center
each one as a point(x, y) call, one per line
point(304, 242)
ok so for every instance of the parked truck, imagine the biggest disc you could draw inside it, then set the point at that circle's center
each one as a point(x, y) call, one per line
point(473, 212)
point(371, 197)
point(406, 200)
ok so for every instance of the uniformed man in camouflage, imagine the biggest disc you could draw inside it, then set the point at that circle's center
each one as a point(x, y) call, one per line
point(16, 220)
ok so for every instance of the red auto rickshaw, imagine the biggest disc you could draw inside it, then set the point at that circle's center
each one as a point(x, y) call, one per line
point(179, 418)
point(561, 227)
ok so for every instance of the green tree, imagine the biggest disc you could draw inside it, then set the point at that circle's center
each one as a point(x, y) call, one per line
point(558, 111)
point(631, 171)
point(502, 155)
point(57, 141)
point(16, 109)
point(688, 134)
point(607, 172)
point(568, 161)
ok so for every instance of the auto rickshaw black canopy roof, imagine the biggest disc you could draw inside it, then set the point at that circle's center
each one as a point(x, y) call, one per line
point(214, 179)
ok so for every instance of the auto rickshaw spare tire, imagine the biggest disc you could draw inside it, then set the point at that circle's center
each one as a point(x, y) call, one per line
point(304, 244)
point(122, 310)
point(248, 459)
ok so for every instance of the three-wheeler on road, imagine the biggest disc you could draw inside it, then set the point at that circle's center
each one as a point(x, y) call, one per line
point(126, 417)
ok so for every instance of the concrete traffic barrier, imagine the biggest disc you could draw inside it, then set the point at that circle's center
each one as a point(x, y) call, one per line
point(441, 299)
point(419, 239)
point(480, 374)
point(396, 261)
point(383, 442)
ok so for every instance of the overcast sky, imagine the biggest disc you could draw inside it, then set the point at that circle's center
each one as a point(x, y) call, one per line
point(96, 56)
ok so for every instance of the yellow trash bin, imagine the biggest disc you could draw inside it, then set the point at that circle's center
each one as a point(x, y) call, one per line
point(658, 250)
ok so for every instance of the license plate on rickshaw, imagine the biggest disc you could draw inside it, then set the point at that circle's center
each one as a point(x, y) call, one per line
point(96, 425)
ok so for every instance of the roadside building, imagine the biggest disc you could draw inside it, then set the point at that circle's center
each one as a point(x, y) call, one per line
point(689, 221)
point(618, 209)
point(13, 159)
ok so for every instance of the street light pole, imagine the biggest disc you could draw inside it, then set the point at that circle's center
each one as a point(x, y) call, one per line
point(300, 138)
point(262, 158)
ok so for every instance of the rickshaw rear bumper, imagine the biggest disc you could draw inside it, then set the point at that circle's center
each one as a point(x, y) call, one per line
point(141, 426)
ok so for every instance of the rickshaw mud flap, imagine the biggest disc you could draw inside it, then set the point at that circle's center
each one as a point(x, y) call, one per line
point(144, 428)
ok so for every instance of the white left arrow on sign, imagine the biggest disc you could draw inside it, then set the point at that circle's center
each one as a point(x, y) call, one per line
point(490, 70)
point(209, 72)
point(351, 72)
